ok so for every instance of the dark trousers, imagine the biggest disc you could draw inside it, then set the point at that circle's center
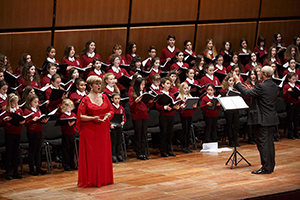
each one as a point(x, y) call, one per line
point(292, 119)
point(116, 140)
point(166, 124)
point(12, 142)
point(210, 129)
point(265, 145)
point(140, 131)
point(251, 132)
point(233, 121)
point(34, 152)
point(67, 150)
point(186, 130)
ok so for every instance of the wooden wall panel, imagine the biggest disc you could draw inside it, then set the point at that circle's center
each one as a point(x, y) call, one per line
point(289, 29)
point(26, 14)
point(34, 43)
point(163, 11)
point(92, 12)
point(105, 39)
point(229, 9)
point(279, 8)
point(233, 32)
point(157, 36)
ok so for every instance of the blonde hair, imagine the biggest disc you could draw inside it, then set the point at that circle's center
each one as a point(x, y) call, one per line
point(214, 51)
point(11, 97)
point(181, 94)
point(65, 103)
point(93, 79)
point(104, 84)
point(225, 85)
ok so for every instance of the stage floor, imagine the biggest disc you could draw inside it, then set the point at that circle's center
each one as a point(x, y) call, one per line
point(187, 176)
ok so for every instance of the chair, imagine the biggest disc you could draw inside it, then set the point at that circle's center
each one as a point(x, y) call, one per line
point(153, 128)
point(281, 112)
point(127, 130)
point(2, 142)
point(52, 136)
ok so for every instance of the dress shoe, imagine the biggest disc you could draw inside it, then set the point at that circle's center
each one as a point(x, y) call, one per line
point(141, 157)
point(42, 172)
point(146, 157)
point(261, 171)
point(185, 150)
point(171, 154)
point(190, 150)
point(17, 176)
point(114, 159)
point(8, 177)
point(33, 173)
point(164, 154)
point(120, 158)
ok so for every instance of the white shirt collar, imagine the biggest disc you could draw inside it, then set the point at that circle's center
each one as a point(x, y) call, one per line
point(253, 82)
point(71, 59)
point(210, 97)
point(3, 96)
point(226, 51)
point(186, 96)
point(244, 50)
point(232, 64)
point(210, 52)
point(81, 93)
point(230, 88)
point(290, 70)
point(191, 81)
point(189, 52)
point(90, 55)
point(156, 70)
point(112, 89)
point(52, 87)
point(210, 77)
point(179, 63)
point(31, 78)
point(117, 106)
point(12, 110)
point(68, 113)
point(171, 48)
point(116, 69)
point(98, 72)
point(261, 48)
point(34, 109)
point(219, 67)
point(141, 92)
point(165, 92)
point(52, 60)
point(292, 84)
point(155, 87)
point(254, 64)
point(273, 59)
point(133, 55)
point(49, 76)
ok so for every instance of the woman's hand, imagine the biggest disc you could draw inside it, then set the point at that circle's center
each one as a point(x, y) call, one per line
point(209, 103)
point(22, 122)
point(290, 90)
point(168, 108)
point(176, 107)
point(183, 106)
point(35, 119)
point(71, 123)
point(137, 100)
point(65, 95)
point(7, 118)
point(195, 105)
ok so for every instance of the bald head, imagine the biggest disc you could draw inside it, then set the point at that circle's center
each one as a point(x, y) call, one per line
point(267, 71)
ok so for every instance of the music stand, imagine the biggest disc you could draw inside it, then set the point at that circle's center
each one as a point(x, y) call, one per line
point(234, 103)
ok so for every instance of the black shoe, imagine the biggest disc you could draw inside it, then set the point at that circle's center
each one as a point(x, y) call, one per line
point(251, 142)
point(185, 150)
point(120, 158)
point(171, 154)
point(291, 137)
point(33, 173)
point(164, 154)
point(231, 144)
point(141, 157)
point(146, 157)
point(8, 177)
point(261, 171)
point(67, 169)
point(114, 159)
point(17, 176)
point(237, 144)
point(190, 150)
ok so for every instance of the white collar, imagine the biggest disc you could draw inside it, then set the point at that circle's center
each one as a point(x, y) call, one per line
point(219, 67)
point(31, 78)
point(226, 51)
point(179, 63)
point(98, 72)
point(112, 89)
point(133, 55)
point(117, 106)
point(52, 87)
point(189, 52)
point(232, 63)
point(117, 70)
point(141, 92)
point(186, 96)
point(155, 87)
point(261, 48)
point(171, 48)
point(210, 97)
point(191, 81)
point(156, 70)
point(3, 96)
point(90, 55)
point(273, 59)
point(210, 52)
point(254, 64)
point(146, 60)
point(34, 109)
point(230, 88)
point(168, 93)
point(244, 50)
point(290, 70)
point(81, 93)
point(49, 76)
point(210, 77)
point(200, 68)
point(71, 59)
point(12, 110)
point(68, 113)
point(52, 60)
point(291, 84)
point(278, 44)
point(253, 82)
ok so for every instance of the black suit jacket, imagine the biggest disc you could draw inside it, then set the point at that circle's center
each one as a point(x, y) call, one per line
point(266, 96)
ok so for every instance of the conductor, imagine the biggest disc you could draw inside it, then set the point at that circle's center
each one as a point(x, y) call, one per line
point(266, 96)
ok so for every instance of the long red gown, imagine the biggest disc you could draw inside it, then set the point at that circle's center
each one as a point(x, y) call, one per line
point(95, 159)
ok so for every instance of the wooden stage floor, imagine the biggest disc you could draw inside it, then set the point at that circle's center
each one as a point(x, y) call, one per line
point(187, 176)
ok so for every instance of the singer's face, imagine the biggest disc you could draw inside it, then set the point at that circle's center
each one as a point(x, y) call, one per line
point(96, 87)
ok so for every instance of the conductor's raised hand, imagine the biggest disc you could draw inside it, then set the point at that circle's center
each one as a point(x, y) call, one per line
point(236, 78)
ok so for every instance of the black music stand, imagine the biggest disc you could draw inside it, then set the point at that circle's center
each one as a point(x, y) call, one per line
point(234, 103)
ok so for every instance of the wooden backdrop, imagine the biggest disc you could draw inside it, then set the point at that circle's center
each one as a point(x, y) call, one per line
point(30, 26)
